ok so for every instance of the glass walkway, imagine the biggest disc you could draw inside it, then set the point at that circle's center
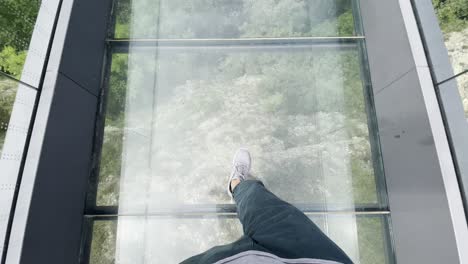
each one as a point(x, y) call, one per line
point(189, 82)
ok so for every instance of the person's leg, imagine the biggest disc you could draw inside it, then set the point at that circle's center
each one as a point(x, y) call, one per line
point(214, 254)
point(281, 228)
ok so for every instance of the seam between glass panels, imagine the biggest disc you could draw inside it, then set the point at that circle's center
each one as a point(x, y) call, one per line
point(123, 46)
point(226, 215)
point(229, 211)
point(232, 42)
point(229, 39)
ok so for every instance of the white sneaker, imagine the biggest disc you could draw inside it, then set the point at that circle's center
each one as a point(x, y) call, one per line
point(241, 167)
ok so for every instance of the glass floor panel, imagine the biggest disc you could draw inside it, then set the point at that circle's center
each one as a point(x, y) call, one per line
point(189, 82)
point(171, 240)
point(183, 19)
point(175, 118)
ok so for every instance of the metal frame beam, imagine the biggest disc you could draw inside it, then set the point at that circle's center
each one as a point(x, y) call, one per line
point(424, 195)
point(48, 220)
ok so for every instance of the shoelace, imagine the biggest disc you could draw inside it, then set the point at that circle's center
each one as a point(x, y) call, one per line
point(242, 170)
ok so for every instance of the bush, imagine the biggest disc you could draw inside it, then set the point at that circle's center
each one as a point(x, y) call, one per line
point(452, 14)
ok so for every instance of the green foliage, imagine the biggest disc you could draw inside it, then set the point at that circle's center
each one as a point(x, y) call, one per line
point(452, 14)
point(364, 185)
point(371, 240)
point(117, 90)
point(111, 160)
point(7, 96)
point(11, 61)
point(232, 19)
point(17, 20)
point(103, 243)
point(122, 18)
point(346, 24)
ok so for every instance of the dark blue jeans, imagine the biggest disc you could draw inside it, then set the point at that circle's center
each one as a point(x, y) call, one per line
point(274, 226)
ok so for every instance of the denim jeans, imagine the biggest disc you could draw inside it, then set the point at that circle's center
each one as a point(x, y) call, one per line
point(274, 226)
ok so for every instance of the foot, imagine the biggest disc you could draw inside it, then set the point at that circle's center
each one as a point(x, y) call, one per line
point(240, 171)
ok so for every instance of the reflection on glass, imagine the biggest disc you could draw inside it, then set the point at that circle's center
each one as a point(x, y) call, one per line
point(17, 19)
point(171, 240)
point(233, 19)
point(175, 118)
